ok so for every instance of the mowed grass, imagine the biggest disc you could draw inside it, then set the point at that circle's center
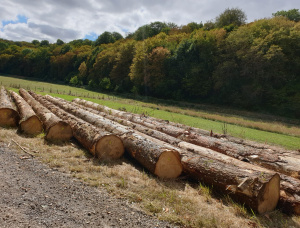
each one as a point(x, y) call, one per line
point(275, 133)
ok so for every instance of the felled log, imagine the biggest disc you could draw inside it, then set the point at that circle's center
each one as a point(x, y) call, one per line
point(55, 128)
point(9, 116)
point(280, 161)
point(29, 122)
point(251, 185)
point(101, 144)
point(159, 159)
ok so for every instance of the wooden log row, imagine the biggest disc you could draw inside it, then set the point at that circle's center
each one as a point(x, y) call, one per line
point(29, 122)
point(9, 116)
point(55, 128)
point(282, 162)
point(243, 181)
point(101, 144)
point(289, 201)
point(161, 160)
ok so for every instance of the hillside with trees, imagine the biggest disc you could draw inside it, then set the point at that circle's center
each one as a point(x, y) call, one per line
point(253, 66)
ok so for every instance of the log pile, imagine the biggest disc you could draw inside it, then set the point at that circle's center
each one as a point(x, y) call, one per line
point(29, 122)
point(9, 116)
point(101, 144)
point(290, 187)
point(245, 182)
point(55, 128)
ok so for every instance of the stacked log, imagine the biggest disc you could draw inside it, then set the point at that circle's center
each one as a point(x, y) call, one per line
point(245, 182)
point(290, 187)
point(29, 122)
point(9, 116)
point(101, 144)
point(159, 159)
point(55, 128)
point(280, 161)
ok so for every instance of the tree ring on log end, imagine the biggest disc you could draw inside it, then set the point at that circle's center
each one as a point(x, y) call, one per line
point(109, 147)
point(59, 132)
point(31, 126)
point(270, 195)
point(8, 117)
point(168, 165)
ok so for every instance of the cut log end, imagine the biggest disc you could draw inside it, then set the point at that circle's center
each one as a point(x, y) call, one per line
point(59, 132)
point(270, 195)
point(109, 147)
point(8, 117)
point(168, 165)
point(31, 126)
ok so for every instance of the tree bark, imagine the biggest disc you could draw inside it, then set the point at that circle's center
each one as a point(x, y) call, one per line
point(280, 161)
point(100, 143)
point(257, 189)
point(159, 159)
point(55, 128)
point(29, 122)
point(9, 116)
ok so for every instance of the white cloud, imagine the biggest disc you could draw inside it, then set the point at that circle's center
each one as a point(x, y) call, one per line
point(74, 19)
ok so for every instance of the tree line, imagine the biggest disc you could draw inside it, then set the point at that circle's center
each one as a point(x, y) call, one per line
point(254, 66)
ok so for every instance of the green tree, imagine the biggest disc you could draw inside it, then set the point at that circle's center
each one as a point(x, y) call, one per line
point(233, 16)
point(59, 42)
point(44, 43)
point(108, 37)
point(293, 14)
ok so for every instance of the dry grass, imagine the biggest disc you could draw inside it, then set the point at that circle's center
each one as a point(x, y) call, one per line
point(178, 201)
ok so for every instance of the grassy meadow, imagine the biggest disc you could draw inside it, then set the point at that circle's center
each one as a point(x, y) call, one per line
point(262, 128)
point(180, 201)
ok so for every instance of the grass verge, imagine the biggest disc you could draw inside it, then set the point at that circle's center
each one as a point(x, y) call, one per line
point(178, 201)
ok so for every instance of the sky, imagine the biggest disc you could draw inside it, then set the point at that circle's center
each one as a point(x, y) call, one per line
point(27, 20)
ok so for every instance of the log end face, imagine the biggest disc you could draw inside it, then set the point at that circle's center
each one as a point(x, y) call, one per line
point(168, 165)
point(59, 132)
point(9, 117)
point(109, 147)
point(31, 126)
point(270, 195)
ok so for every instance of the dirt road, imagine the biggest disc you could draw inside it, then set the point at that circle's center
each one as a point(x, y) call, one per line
point(33, 195)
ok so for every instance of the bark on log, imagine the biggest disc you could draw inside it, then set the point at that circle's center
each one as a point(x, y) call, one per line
point(258, 190)
point(280, 161)
point(55, 128)
point(159, 159)
point(9, 116)
point(100, 143)
point(29, 122)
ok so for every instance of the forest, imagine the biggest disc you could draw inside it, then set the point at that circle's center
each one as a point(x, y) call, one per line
point(252, 66)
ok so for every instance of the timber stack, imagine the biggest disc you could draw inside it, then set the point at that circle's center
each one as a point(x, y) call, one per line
point(9, 116)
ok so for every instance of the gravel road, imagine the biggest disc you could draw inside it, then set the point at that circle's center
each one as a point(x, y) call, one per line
point(34, 195)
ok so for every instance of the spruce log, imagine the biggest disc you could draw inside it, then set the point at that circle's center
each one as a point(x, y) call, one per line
point(256, 189)
point(159, 159)
point(29, 122)
point(9, 116)
point(55, 128)
point(280, 161)
point(101, 144)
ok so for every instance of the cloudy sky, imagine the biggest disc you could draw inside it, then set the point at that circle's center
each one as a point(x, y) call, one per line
point(27, 20)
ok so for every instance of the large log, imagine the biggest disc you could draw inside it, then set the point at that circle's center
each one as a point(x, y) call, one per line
point(55, 128)
point(101, 144)
point(9, 116)
point(29, 122)
point(256, 189)
point(280, 161)
point(161, 160)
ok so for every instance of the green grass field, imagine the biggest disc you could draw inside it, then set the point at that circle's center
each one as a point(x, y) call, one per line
point(264, 129)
